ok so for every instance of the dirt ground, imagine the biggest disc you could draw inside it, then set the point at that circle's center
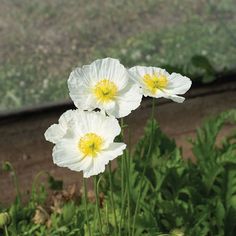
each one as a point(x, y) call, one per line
point(22, 133)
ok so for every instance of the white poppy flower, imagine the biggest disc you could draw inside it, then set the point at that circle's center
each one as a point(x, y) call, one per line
point(88, 144)
point(104, 84)
point(157, 82)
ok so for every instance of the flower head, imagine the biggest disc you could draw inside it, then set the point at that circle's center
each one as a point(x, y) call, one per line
point(5, 219)
point(88, 143)
point(157, 82)
point(104, 84)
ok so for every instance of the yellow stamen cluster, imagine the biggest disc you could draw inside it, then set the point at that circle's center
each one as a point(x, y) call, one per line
point(90, 144)
point(105, 90)
point(155, 82)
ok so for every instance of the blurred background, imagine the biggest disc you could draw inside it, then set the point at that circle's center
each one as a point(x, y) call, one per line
point(42, 41)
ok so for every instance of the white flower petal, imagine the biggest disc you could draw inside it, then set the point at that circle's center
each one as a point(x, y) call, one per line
point(82, 165)
point(57, 131)
point(111, 69)
point(97, 122)
point(126, 101)
point(66, 153)
point(114, 150)
point(100, 162)
point(109, 129)
point(54, 133)
point(81, 96)
point(178, 84)
point(65, 118)
point(176, 98)
point(96, 168)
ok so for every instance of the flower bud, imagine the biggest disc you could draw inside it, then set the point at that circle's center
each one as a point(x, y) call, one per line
point(5, 219)
point(176, 232)
point(6, 166)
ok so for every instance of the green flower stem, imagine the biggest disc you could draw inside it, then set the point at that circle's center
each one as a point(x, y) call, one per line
point(122, 175)
point(86, 205)
point(15, 180)
point(125, 186)
point(36, 178)
point(16, 185)
point(6, 231)
point(122, 213)
point(145, 167)
point(97, 204)
point(112, 198)
point(128, 191)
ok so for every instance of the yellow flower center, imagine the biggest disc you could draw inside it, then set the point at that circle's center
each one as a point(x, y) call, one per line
point(155, 82)
point(90, 144)
point(105, 91)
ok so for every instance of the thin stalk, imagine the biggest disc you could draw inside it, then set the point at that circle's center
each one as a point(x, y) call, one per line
point(125, 179)
point(35, 180)
point(86, 205)
point(95, 211)
point(145, 167)
point(122, 175)
point(6, 231)
point(17, 185)
point(112, 198)
point(15, 181)
point(128, 191)
point(97, 204)
point(107, 216)
point(122, 213)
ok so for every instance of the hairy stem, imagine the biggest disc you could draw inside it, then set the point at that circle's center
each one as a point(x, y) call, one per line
point(112, 198)
point(86, 205)
point(6, 231)
point(97, 204)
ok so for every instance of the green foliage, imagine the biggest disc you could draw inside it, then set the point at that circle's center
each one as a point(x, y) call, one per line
point(176, 197)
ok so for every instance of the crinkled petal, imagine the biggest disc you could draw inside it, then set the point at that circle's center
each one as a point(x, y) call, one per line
point(128, 100)
point(111, 69)
point(96, 168)
point(114, 150)
point(66, 117)
point(178, 84)
point(54, 133)
point(66, 153)
point(97, 122)
point(175, 98)
point(82, 165)
point(57, 131)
